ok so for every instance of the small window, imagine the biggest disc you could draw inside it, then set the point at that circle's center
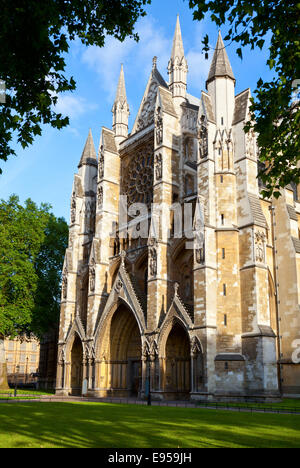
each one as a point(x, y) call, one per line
point(225, 320)
point(222, 219)
point(226, 366)
point(223, 253)
point(221, 178)
point(222, 120)
point(224, 289)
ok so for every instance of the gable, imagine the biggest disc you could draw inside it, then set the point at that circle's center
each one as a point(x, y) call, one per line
point(145, 116)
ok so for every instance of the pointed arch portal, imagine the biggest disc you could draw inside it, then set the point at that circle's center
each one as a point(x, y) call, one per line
point(76, 366)
point(178, 363)
point(121, 371)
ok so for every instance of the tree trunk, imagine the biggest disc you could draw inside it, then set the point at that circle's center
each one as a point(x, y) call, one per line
point(3, 370)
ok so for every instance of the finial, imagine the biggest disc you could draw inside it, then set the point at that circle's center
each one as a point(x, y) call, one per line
point(154, 63)
point(176, 287)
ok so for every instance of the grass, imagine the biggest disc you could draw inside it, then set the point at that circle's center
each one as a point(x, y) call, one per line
point(103, 425)
point(28, 391)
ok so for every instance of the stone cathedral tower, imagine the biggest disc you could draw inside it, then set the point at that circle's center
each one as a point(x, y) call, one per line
point(192, 316)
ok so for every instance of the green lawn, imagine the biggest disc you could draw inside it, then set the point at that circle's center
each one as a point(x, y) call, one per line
point(119, 426)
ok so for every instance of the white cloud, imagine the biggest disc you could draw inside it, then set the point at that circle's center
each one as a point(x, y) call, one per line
point(137, 56)
point(72, 106)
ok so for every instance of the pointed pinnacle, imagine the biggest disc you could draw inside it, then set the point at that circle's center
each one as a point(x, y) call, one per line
point(220, 65)
point(121, 90)
point(89, 150)
point(177, 50)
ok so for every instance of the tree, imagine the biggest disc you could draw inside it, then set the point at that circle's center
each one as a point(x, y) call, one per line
point(32, 247)
point(275, 115)
point(34, 37)
point(48, 267)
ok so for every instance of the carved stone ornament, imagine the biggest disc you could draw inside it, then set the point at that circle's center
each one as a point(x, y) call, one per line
point(158, 167)
point(153, 350)
point(118, 286)
point(195, 347)
point(260, 239)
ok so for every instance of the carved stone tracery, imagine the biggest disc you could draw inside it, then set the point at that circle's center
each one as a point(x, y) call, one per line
point(260, 239)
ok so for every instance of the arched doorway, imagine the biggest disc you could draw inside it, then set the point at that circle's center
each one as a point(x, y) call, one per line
point(125, 353)
point(178, 363)
point(76, 366)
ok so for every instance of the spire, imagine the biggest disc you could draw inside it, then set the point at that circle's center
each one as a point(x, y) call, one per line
point(220, 65)
point(177, 50)
point(120, 110)
point(121, 90)
point(89, 153)
point(178, 67)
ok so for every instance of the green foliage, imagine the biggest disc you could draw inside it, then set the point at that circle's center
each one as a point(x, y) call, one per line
point(34, 37)
point(32, 245)
point(275, 116)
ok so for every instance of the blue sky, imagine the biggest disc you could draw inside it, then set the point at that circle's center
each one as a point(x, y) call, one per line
point(45, 170)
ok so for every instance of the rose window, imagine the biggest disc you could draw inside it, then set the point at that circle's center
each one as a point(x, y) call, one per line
point(138, 179)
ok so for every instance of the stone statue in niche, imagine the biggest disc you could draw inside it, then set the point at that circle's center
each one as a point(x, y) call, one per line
point(159, 127)
point(100, 197)
point(158, 167)
point(203, 139)
point(64, 284)
point(73, 208)
point(153, 258)
point(101, 164)
point(200, 249)
point(92, 275)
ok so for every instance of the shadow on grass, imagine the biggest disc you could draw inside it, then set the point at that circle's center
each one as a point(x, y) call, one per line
point(121, 426)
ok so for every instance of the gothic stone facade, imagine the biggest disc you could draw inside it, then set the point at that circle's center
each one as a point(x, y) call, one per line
point(218, 320)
